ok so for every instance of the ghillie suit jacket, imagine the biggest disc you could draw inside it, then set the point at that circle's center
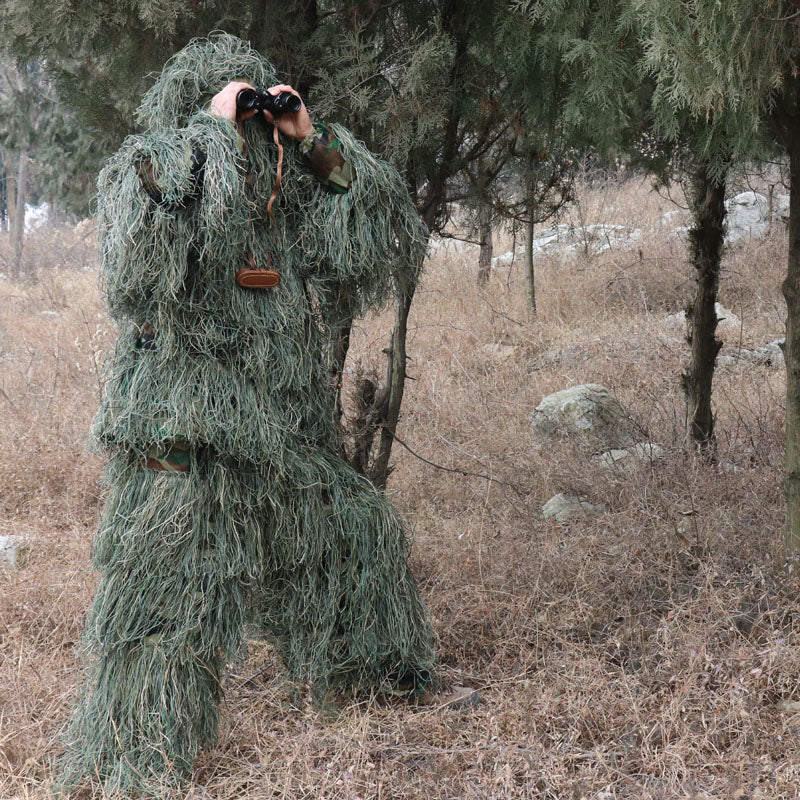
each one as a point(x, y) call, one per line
point(227, 505)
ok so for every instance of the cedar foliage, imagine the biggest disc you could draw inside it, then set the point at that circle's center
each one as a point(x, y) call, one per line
point(734, 64)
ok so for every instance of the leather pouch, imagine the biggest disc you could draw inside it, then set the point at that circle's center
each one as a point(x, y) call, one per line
point(249, 278)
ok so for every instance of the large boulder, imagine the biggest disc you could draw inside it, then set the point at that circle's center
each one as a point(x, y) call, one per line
point(590, 410)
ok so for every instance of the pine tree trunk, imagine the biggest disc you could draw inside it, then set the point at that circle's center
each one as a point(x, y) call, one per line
point(530, 274)
point(11, 190)
point(791, 292)
point(706, 240)
point(18, 235)
point(3, 193)
point(485, 257)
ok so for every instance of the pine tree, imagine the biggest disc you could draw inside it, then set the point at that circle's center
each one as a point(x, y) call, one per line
point(737, 61)
point(618, 102)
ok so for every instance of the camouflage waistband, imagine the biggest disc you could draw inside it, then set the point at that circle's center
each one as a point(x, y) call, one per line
point(172, 458)
point(321, 150)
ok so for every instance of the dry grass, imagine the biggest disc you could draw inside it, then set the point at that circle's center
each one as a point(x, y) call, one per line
point(644, 653)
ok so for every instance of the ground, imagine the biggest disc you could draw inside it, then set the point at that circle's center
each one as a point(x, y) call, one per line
point(651, 651)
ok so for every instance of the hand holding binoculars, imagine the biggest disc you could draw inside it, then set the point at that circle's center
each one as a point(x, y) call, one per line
point(261, 100)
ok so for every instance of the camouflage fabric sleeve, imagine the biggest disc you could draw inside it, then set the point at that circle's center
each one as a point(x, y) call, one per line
point(172, 457)
point(321, 151)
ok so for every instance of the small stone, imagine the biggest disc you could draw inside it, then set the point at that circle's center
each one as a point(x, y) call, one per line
point(768, 355)
point(500, 351)
point(562, 507)
point(462, 697)
point(9, 550)
point(631, 456)
point(789, 706)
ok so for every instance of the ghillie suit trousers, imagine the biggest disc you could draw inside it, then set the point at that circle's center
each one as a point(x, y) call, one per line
point(190, 560)
point(228, 509)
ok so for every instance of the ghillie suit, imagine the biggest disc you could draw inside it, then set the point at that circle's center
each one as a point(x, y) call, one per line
point(228, 505)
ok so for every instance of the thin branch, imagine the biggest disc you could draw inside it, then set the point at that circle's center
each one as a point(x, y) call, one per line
point(463, 472)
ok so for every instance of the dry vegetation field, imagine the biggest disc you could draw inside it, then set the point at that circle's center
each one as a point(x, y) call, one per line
point(652, 651)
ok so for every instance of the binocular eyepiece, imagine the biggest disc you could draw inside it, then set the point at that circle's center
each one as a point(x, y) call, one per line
point(261, 100)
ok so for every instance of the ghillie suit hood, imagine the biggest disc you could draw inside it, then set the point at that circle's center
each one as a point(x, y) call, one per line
point(262, 523)
point(195, 74)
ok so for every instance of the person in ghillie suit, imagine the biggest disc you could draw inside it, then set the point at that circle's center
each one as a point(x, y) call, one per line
point(228, 506)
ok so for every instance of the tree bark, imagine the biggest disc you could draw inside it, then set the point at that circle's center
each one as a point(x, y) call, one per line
point(791, 292)
point(18, 235)
point(530, 273)
point(11, 190)
point(706, 239)
point(3, 192)
point(391, 397)
point(485, 257)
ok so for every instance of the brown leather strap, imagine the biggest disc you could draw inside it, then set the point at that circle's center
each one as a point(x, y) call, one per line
point(254, 277)
point(279, 172)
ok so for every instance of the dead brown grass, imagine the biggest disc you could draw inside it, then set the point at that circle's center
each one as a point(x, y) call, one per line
point(648, 652)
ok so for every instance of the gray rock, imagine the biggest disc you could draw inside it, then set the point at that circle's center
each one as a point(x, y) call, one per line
point(9, 550)
point(562, 507)
point(551, 358)
point(631, 457)
point(780, 208)
point(728, 321)
point(500, 351)
point(669, 218)
point(768, 355)
point(462, 698)
point(589, 409)
point(596, 238)
point(747, 217)
point(504, 260)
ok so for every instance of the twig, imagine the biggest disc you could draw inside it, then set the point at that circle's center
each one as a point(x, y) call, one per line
point(2, 392)
point(457, 471)
point(500, 313)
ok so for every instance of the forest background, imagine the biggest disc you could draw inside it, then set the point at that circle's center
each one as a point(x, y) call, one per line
point(646, 649)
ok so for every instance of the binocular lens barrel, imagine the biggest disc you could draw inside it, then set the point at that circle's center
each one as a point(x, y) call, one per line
point(260, 100)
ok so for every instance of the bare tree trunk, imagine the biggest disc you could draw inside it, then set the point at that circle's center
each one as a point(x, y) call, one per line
point(18, 235)
point(391, 395)
point(485, 257)
point(706, 239)
point(791, 292)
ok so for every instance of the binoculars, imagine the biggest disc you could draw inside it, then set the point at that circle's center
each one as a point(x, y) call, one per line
point(260, 100)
